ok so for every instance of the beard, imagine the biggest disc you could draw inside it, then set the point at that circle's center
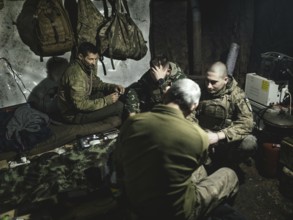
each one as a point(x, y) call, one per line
point(89, 67)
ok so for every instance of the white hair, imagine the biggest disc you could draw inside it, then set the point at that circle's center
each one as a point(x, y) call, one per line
point(184, 92)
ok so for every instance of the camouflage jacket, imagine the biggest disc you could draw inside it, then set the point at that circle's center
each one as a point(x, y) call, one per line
point(229, 111)
point(142, 95)
point(80, 90)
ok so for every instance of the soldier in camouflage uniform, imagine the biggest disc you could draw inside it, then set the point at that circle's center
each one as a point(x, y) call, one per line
point(226, 114)
point(142, 95)
point(83, 97)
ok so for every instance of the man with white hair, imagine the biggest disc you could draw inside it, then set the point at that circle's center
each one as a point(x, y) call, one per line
point(159, 157)
point(225, 112)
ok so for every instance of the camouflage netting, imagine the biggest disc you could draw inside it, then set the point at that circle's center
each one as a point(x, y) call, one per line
point(52, 173)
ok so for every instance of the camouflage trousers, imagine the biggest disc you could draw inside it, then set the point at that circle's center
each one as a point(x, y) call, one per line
point(212, 190)
point(225, 154)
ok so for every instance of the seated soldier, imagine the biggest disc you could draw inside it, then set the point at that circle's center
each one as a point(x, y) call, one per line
point(142, 95)
point(82, 96)
point(159, 157)
point(225, 112)
point(43, 96)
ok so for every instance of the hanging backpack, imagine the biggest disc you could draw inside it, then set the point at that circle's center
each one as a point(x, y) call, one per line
point(88, 21)
point(119, 37)
point(45, 27)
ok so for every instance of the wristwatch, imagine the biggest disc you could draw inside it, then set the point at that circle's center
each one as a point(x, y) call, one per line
point(160, 82)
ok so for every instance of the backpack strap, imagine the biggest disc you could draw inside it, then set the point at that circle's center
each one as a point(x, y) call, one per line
point(125, 6)
point(116, 8)
point(103, 65)
point(106, 11)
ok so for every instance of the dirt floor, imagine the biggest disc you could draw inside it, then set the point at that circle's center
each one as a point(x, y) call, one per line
point(259, 197)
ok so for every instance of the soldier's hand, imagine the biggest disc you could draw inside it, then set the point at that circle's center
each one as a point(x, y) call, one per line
point(114, 97)
point(159, 72)
point(119, 89)
point(213, 137)
point(132, 114)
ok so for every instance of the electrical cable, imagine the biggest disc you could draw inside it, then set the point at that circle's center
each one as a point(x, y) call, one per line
point(260, 114)
point(15, 77)
point(287, 93)
point(290, 101)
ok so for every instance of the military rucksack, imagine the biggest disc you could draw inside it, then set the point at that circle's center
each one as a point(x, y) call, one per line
point(119, 37)
point(89, 19)
point(45, 27)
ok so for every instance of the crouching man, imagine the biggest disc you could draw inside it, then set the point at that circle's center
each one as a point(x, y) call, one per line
point(225, 112)
point(159, 157)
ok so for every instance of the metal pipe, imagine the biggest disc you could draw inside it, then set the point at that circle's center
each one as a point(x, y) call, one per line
point(232, 58)
point(196, 29)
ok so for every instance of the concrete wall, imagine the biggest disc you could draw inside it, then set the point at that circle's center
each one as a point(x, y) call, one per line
point(28, 71)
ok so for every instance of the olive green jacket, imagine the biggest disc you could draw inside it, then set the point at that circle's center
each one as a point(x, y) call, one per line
point(156, 154)
point(228, 110)
point(80, 90)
